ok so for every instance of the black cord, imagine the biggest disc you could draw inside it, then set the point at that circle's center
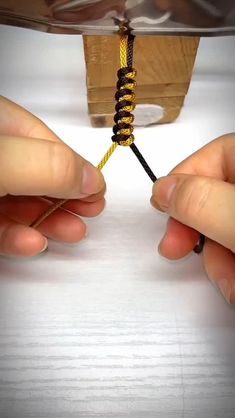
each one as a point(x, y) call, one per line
point(123, 130)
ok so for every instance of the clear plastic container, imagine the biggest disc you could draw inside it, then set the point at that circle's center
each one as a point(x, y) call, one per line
point(102, 17)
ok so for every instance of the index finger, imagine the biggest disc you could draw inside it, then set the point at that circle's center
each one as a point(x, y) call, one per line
point(17, 121)
point(216, 159)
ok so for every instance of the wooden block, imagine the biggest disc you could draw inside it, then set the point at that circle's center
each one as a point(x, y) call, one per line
point(164, 66)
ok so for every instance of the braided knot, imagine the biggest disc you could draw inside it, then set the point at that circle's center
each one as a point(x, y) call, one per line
point(125, 98)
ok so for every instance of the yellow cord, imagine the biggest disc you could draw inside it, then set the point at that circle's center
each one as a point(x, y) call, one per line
point(51, 210)
point(61, 202)
point(107, 156)
point(57, 205)
point(123, 64)
point(123, 50)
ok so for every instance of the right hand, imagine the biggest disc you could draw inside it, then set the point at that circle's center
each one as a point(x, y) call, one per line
point(36, 164)
point(199, 196)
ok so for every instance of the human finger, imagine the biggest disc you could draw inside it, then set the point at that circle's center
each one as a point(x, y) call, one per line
point(62, 225)
point(216, 159)
point(219, 264)
point(45, 168)
point(179, 240)
point(20, 240)
point(17, 121)
point(202, 203)
point(83, 207)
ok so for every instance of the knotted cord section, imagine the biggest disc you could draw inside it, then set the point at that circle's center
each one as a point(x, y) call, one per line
point(124, 119)
point(123, 129)
point(125, 98)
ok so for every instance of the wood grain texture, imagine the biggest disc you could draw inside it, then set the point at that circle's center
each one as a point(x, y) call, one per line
point(101, 116)
point(164, 66)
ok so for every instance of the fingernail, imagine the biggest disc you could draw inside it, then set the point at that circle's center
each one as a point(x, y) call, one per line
point(45, 246)
point(232, 295)
point(226, 289)
point(163, 238)
point(155, 205)
point(159, 247)
point(91, 180)
point(163, 191)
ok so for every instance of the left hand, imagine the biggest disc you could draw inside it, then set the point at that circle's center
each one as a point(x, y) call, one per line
point(36, 169)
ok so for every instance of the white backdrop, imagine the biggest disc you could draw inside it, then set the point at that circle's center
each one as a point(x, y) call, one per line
point(108, 328)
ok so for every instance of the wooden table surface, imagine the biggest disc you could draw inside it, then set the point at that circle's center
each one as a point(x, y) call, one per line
point(108, 328)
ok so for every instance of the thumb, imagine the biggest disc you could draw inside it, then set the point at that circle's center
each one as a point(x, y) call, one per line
point(202, 203)
point(41, 167)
